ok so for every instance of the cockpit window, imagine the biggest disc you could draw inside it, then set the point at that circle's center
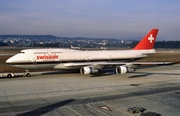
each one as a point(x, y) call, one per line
point(22, 52)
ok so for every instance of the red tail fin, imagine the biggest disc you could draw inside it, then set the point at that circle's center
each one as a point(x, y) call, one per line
point(148, 41)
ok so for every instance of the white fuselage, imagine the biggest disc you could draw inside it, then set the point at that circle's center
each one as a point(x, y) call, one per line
point(49, 58)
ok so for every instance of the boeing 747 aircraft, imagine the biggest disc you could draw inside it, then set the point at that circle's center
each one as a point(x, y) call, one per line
point(88, 62)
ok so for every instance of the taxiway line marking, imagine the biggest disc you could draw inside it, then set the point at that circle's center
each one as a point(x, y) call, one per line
point(120, 109)
point(98, 110)
point(73, 111)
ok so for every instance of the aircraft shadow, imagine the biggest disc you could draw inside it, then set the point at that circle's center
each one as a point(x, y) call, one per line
point(138, 76)
point(105, 72)
point(144, 74)
point(61, 72)
point(46, 109)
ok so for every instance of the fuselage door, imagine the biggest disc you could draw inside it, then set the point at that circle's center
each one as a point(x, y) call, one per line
point(88, 58)
point(59, 59)
point(49, 51)
point(109, 58)
point(34, 60)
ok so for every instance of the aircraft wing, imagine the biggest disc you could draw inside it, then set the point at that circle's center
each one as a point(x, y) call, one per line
point(100, 65)
point(113, 63)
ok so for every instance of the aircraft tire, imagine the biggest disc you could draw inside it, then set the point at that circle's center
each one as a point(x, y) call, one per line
point(28, 75)
point(9, 75)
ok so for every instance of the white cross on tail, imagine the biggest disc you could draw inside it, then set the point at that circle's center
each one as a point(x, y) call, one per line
point(151, 38)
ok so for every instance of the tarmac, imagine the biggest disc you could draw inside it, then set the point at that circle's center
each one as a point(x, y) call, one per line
point(157, 89)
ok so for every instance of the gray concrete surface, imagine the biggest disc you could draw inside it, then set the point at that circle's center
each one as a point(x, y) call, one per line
point(70, 94)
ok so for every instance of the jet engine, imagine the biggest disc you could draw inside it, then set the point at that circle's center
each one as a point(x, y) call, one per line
point(88, 70)
point(124, 69)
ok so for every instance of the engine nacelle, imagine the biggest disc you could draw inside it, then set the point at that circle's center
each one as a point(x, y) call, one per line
point(123, 70)
point(88, 70)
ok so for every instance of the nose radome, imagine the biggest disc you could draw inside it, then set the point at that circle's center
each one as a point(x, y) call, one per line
point(8, 60)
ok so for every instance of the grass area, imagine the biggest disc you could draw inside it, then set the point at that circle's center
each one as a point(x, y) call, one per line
point(163, 58)
point(9, 50)
point(6, 68)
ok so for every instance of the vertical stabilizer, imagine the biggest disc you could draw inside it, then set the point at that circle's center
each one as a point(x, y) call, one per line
point(148, 41)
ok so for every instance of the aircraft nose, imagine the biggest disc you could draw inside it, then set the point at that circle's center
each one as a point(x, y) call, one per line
point(8, 61)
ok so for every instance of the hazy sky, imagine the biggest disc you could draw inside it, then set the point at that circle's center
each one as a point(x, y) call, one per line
point(91, 18)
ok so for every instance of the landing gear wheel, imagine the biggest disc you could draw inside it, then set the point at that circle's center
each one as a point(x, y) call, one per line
point(28, 75)
point(9, 75)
